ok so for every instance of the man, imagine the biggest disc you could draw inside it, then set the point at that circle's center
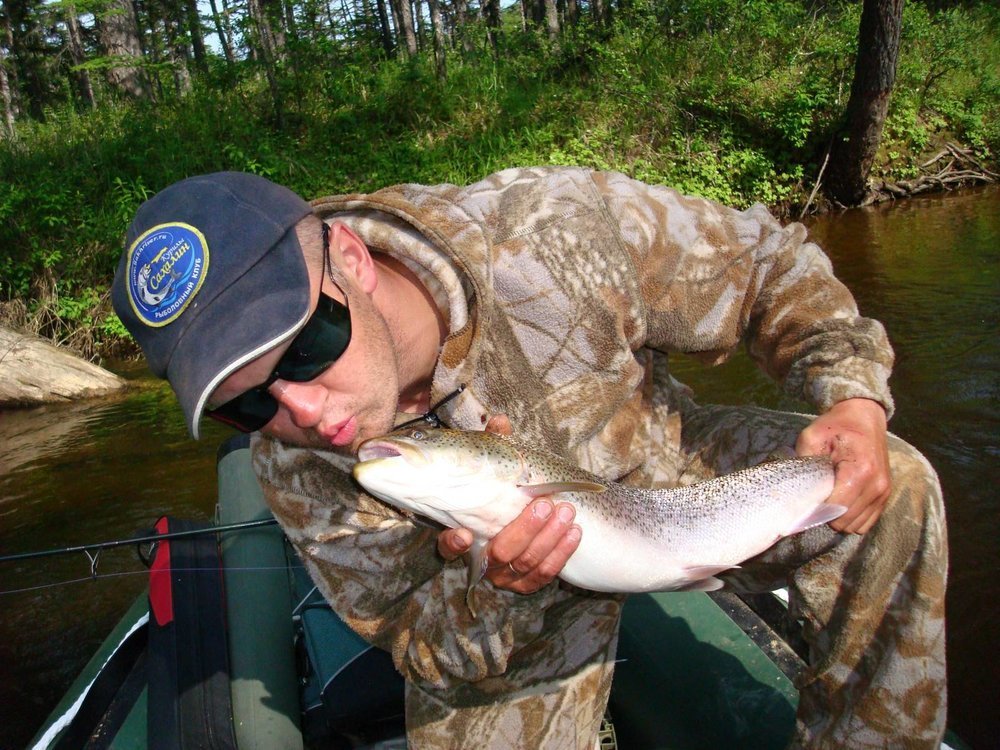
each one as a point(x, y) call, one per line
point(554, 296)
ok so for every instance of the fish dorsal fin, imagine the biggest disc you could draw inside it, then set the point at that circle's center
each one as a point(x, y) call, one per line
point(554, 488)
point(819, 515)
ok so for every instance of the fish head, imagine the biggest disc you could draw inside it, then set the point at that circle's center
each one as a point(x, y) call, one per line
point(456, 477)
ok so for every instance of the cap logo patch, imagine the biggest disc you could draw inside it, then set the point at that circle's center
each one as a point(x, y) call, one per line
point(166, 267)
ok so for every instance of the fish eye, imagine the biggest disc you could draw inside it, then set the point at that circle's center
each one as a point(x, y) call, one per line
point(418, 434)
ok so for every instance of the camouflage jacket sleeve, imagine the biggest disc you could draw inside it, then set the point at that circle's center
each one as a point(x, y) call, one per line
point(380, 572)
point(712, 277)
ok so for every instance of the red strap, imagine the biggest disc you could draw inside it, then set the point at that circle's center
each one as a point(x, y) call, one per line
point(161, 594)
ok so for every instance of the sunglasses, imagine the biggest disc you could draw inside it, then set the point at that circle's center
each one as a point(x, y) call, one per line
point(321, 342)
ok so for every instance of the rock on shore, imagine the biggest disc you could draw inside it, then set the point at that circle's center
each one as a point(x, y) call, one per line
point(34, 371)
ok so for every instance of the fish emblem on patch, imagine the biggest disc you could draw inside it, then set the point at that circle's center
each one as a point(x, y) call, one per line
point(166, 268)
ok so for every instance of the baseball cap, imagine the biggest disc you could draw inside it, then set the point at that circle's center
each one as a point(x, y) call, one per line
point(212, 277)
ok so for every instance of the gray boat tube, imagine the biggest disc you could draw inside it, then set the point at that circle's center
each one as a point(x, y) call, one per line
point(264, 683)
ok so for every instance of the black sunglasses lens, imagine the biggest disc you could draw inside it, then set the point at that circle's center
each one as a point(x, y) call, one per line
point(320, 343)
point(247, 412)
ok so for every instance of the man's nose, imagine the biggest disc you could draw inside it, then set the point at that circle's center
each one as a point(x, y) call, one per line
point(303, 401)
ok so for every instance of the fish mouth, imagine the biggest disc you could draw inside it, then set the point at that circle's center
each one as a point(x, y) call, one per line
point(382, 449)
point(369, 452)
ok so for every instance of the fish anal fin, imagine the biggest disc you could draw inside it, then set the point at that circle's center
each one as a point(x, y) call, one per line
point(554, 488)
point(819, 515)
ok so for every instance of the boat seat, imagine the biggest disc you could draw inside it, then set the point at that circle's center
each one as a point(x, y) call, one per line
point(352, 691)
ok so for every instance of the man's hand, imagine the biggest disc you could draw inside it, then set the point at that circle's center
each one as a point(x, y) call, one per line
point(532, 549)
point(853, 434)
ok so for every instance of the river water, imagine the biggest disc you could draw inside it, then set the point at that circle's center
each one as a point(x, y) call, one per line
point(929, 268)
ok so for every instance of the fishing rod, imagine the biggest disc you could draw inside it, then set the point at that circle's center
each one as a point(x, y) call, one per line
point(99, 547)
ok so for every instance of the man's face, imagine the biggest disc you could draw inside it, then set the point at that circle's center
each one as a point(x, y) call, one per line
point(354, 399)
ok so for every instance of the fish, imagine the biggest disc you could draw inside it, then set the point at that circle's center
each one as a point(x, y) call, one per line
point(634, 540)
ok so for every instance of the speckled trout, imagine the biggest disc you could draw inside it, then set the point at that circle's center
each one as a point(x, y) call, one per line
point(633, 539)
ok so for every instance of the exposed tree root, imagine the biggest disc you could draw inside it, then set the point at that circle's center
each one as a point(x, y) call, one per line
point(951, 168)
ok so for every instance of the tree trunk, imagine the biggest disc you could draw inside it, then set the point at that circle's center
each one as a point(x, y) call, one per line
point(177, 53)
point(418, 22)
point(6, 98)
point(197, 36)
point(439, 44)
point(6, 87)
point(25, 40)
point(385, 30)
point(491, 11)
point(222, 31)
point(600, 10)
point(119, 38)
point(551, 20)
point(263, 45)
point(572, 12)
point(274, 12)
point(81, 78)
point(874, 75)
point(404, 26)
point(462, 24)
point(291, 25)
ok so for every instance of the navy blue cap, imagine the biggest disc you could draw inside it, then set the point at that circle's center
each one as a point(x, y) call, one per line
point(212, 277)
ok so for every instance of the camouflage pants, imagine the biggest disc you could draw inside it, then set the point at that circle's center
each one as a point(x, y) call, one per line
point(872, 607)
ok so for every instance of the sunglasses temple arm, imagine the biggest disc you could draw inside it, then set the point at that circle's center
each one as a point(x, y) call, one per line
point(430, 417)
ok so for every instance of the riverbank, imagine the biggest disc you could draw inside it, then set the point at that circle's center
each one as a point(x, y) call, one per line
point(734, 102)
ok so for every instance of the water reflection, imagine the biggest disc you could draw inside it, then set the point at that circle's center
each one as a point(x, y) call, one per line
point(928, 268)
point(73, 474)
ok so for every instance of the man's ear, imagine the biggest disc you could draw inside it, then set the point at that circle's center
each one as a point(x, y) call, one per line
point(357, 260)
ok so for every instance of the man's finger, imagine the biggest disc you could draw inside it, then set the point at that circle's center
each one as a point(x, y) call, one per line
point(453, 543)
point(549, 568)
point(545, 542)
point(515, 537)
point(499, 424)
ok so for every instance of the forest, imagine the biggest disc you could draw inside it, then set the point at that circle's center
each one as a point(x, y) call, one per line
point(104, 102)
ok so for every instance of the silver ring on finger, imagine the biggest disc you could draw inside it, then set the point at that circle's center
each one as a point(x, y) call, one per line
point(512, 569)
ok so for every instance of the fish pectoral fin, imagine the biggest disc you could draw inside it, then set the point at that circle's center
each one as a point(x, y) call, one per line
point(705, 584)
point(479, 561)
point(554, 488)
point(707, 571)
point(819, 515)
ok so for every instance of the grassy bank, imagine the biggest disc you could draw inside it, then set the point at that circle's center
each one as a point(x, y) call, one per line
point(731, 100)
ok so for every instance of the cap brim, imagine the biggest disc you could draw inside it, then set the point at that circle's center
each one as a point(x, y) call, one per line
point(202, 361)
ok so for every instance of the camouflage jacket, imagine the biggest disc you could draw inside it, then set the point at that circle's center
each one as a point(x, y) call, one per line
point(559, 285)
